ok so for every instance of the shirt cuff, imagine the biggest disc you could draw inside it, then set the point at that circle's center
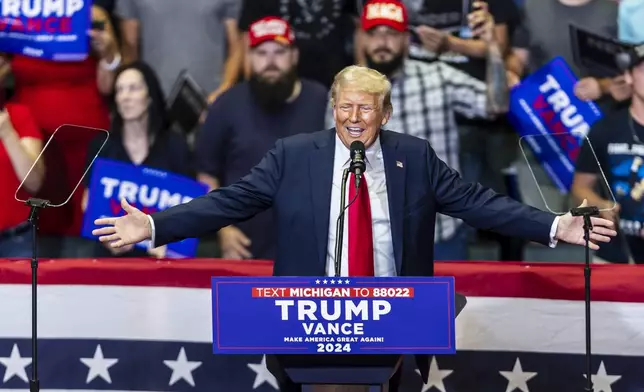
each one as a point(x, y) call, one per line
point(553, 232)
point(153, 232)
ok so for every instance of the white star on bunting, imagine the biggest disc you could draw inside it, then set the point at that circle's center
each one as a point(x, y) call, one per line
point(182, 368)
point(517, 378)
point(15, 365)
point(262, 374)
point(436, 377)
point(98, 366)
point(602, 381)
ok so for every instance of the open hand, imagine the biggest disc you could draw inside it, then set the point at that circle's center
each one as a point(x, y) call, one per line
point(571, 230)
point(129, 229)
point(588, 89)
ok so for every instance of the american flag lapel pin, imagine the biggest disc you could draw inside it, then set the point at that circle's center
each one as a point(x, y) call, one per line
point(399, 164)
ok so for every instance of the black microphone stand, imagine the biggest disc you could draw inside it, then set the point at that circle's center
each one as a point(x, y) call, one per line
point(587, 213)
point(36, 205)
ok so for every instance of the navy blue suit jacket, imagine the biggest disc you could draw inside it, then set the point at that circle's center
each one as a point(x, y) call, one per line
point(295, 179)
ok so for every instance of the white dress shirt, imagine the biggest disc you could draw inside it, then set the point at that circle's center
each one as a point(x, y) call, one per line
point(377, 185)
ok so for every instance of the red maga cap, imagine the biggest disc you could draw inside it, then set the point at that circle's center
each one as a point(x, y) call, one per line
point(389, 13)
point(270, 28)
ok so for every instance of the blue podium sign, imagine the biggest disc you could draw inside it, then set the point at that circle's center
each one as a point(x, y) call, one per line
point(326, 315)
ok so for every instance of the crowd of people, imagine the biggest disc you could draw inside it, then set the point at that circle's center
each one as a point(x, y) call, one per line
point(450, 86)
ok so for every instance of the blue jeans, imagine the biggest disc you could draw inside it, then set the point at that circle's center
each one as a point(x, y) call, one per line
point(16, 244)
point(454, 249)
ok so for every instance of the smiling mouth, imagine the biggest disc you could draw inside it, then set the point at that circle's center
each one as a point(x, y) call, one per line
point(355, 131)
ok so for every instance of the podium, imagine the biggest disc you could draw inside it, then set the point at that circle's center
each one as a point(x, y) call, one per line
point(348, 333)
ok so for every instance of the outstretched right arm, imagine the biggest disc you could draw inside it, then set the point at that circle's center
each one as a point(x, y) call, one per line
point(224, 206)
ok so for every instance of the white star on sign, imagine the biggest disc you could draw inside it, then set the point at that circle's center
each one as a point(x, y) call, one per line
point(317, 281)
point(517, 378)
point(15, 365)
point(182, 368)
point(346, 281)
point(602, 381)
point(436, 377)
point(324, 281)
point(332, 281)
point(98, 366)
point(262, 374)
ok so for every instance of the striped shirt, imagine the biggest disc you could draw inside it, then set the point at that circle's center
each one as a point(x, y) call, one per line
point(425, 98)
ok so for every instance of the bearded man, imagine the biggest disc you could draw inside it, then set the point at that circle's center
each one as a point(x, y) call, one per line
point(244, 123)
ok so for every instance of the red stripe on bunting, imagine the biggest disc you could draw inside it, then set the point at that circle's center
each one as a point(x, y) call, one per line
point(619, 283)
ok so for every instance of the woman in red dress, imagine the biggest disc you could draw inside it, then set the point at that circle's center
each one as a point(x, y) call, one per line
point(59, 93)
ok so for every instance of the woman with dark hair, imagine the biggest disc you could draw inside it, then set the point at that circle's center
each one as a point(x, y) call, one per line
point(140, 132)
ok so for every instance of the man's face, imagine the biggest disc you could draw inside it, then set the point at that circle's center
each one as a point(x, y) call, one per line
point(385, 49)
point(358, 116)
point(271, 61)
point(273, 74)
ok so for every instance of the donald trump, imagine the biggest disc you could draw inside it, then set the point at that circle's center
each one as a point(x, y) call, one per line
point(390, 225)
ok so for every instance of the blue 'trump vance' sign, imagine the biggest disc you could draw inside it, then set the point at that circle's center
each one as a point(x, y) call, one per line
point(553, 121)
point(47, 29)
point(326, 315)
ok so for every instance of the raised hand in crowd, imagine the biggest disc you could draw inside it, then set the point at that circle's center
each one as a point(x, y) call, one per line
point(433, 39)
point(592, 89)
point(588, 89)
point(481, 22)
point(22, 149)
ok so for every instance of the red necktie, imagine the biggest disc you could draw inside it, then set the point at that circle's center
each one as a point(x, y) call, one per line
point(360, 231)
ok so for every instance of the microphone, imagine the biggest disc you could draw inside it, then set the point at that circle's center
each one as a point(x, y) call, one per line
point(358, 165)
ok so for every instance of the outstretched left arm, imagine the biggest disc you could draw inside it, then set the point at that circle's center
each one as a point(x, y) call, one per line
point(485, 209)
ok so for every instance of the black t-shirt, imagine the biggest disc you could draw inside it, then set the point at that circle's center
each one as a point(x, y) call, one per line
point(236, 136)
point(170, 152)
point(323, 32)
point(621, 156)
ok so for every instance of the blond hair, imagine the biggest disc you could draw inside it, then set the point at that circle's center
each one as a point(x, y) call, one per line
point(365, 80)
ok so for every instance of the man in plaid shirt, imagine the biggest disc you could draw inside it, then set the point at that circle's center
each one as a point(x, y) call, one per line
point(426, 96)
